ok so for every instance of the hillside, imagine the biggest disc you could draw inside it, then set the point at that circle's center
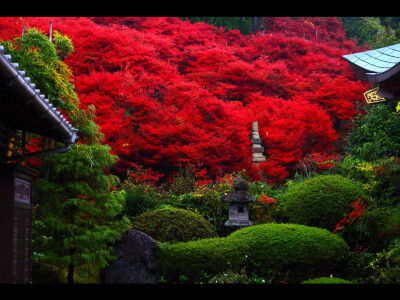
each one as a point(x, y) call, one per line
point(170, 92)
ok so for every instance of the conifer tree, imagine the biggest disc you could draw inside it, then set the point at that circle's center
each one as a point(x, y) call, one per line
point(77, 205)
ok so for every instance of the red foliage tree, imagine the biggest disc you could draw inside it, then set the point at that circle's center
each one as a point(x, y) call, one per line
point(169, 91)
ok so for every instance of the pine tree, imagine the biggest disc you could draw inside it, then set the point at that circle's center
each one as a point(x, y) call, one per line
point(77, 205)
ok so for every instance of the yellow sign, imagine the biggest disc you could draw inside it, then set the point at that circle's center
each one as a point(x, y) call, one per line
point(371, 96)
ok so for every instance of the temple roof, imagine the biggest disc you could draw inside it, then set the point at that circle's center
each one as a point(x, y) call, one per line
point(24, 108)
point(375, 65)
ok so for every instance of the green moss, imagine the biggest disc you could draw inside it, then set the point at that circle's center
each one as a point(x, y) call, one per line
point(321, 201)
point(261, 248)
point(326, 280)
point(173, 225)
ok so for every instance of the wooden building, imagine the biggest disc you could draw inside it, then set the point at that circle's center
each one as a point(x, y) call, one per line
point(381, 67)
point(22, 110)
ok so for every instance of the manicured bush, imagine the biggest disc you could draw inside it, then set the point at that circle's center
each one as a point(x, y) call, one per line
point(297, 251)
point(173, 225)
point(326, 280)
point(321, 201)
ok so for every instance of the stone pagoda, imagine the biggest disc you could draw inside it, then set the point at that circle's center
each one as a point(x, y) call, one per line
point(257, 147)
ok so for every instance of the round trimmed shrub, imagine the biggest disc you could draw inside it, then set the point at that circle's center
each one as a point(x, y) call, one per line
point(326, 280)
point(174, 225)
point(297, 251)
point(321, 201)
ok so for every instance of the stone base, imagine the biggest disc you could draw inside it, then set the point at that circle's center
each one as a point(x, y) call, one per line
point(238, 223)
point(257, 157)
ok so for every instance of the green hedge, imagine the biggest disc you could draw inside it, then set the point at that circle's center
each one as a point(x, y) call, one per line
point(174, 225)
point(326, 280)
point(321, 201)
point(284, 248)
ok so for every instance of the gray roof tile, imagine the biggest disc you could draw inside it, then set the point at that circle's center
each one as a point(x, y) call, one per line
point(376, 61)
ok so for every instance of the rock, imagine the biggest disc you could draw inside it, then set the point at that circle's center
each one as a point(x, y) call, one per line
point(135, 260)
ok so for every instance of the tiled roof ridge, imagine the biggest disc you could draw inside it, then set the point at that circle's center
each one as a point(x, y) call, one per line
point(33, 94)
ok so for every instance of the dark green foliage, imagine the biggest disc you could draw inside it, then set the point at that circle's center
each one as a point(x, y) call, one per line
point(386, 266)
point(44, 274)
point(77, 211)
point(184, 181)
point(294, 250)
point(376, 32)
point(321, 201)
point(375, 230)
point(327, 280)
point(376, 135)
point(204, 199)
point(243, 24)
point(208, 204)
point(139, 198)
point(385, 188)
point(380, 178)
point(173, 225)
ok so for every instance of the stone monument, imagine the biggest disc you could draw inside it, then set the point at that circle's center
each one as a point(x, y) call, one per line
point(238, 204)
point(257, 147)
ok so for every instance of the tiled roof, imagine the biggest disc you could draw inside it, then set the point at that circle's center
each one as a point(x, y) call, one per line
point(36, 103)
point(376, 65)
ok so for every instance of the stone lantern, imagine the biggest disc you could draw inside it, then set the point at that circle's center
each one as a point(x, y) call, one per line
point(238, 204)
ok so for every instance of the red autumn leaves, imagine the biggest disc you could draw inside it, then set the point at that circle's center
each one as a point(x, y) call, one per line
point(167, 91)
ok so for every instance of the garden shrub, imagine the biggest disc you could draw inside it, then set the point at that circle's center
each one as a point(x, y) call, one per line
point(321, 201)
point(326, 280)
point(139, 198)
point(380, 177)
point(376, 134)
point(386, 266)
point(297, 251)
point(376, 229)
point(173, 225)
point(206, 200)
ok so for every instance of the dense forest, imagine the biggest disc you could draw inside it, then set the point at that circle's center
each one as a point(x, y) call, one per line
point(375, 31)
point(152, 96)
point(169, 92)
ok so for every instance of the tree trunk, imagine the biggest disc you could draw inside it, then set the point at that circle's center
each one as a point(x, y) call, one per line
point(70, 277)
point(71, 268)
point(254, 24)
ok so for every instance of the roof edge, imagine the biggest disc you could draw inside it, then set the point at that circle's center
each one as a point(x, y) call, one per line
point(68, 134)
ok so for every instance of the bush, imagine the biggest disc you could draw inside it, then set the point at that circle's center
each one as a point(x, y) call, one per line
point(380, 177)
point(321, 201)
point(173, 225)
point(206, 200)
point(376, 229)
point(376, 134)
point(139, 198)
point(386, 266)
point(293, 251)
point(326, 280)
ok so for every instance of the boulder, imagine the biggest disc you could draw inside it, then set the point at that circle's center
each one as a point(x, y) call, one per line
point(135, 262)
